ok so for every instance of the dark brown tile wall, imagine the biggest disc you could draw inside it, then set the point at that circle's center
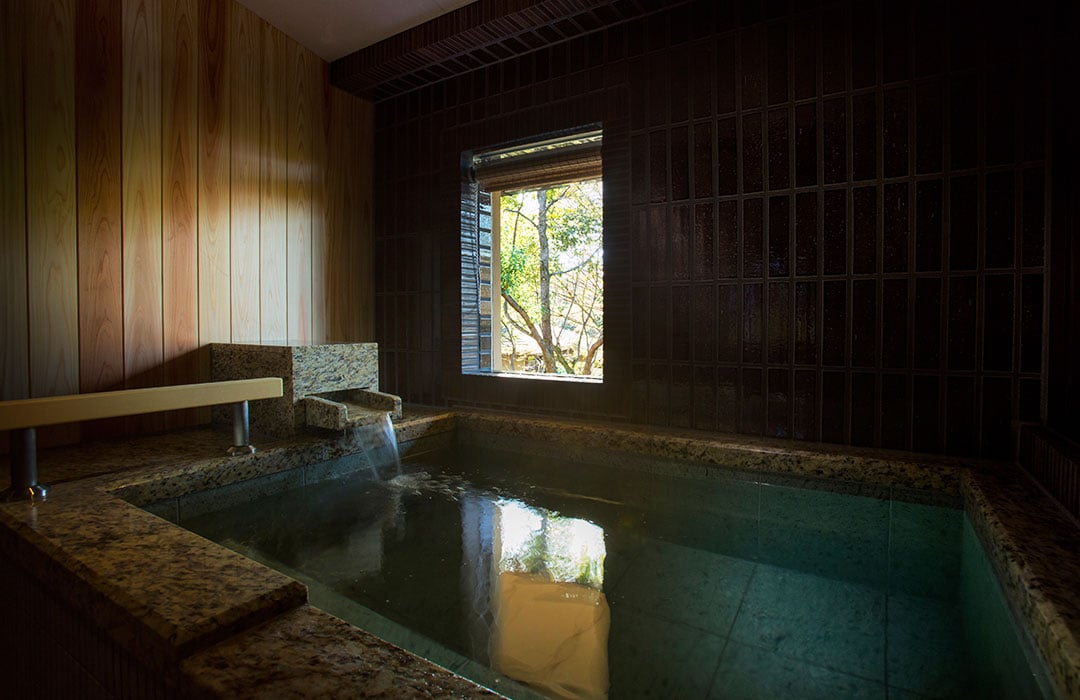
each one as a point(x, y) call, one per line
point(823, 221)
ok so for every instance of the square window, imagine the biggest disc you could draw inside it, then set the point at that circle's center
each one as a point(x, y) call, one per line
point(532, 258)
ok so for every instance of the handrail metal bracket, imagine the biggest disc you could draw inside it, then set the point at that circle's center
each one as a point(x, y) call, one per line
point(241, 431)
point(24, 473)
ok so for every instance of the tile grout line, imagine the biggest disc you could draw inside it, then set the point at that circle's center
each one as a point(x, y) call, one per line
point(731, 627)
point(888, 593)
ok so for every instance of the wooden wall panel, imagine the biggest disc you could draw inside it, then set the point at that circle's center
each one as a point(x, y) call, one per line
point(98, 141)
point(52, 268)
point(273, 187)
point(143, 344)
point(245, 60)
point(179, 205)
point(14, 331)
point(167, 183)
point(214, 267)
point(299, 197)
point(360, 190)
point(337, 264)
point(320, 261)
point(349, 281)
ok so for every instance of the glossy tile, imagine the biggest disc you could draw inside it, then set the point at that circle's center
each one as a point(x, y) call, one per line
point(779, 244)
point(928, 127)
point(864, 143)
point(926, 652)
point(752, 673)
point(816, 620)
point(778, 143)
point(928, 225)
point(990, 634)
point(895, 220)
point(196, 504)
point(825, 533)
point(835, 236)
point(895, 119)
point(656, 658)
point(806, 233)
point(864, 230)
point(834, 130)
point(703, 256)
point(752, 238)
point(684, 586)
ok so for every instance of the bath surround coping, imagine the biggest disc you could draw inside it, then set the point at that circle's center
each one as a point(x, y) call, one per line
point(216, 623)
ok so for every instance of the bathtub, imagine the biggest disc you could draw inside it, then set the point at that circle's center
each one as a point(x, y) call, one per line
point(105, 596)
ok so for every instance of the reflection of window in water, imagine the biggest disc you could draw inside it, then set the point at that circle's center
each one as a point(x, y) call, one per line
point(539, 542)
point(537, 610)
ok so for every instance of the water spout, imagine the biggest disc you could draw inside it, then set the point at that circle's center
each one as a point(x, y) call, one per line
point(382, 449)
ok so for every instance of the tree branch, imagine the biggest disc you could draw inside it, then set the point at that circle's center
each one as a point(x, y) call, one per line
point(528, 322)
point(591, 355)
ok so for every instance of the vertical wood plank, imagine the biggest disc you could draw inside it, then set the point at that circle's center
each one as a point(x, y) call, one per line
point(299, 196)
point(364, 233)
point(143, 344)
point(350, 282)
point(50, 198)
point(245, 54)
point(214, 291)
point(337, 281)
point(14, 331)
point(320, 261)
point(98, 141)
point(273, 187)
point(179, 206)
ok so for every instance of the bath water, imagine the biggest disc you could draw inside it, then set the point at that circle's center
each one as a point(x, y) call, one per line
point(541, 578)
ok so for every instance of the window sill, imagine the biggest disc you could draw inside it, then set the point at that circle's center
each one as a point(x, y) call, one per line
point(570, 378)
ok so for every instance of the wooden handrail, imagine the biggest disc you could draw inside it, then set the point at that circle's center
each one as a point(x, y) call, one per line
point(51, 410)
point(23, 416)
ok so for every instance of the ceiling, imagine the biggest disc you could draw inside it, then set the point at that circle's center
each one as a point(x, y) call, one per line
point(334, 28)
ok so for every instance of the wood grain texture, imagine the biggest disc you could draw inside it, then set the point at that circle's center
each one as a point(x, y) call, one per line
point(143, 349)
point(363, 238)
point(179, 205)
point(52, 272)
point(320, 261)
point(160, 192)
point(299, 195)
point(334, 278)
point(245, 52)
point(349, 280)
point(99, 153)
point(214, 268)
point(14, 331)
point(51, 410)
point(273, 187)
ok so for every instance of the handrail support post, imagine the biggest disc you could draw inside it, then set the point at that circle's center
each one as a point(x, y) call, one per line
point(241, 430)
point(24, 472)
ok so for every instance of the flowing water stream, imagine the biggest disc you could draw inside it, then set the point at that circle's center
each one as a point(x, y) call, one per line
point(381, 449)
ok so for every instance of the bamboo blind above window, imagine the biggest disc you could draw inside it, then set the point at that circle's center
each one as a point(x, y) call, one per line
point(553, 161)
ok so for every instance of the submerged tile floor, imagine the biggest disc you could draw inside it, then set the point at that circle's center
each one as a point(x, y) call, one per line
point(698, 624)
point(688, 623)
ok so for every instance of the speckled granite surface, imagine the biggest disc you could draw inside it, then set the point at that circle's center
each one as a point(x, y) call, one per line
point(162, 592)
point(721, 455)
point(304, 370)
point(308, 653)
point(1034, 547)
point(172, 596)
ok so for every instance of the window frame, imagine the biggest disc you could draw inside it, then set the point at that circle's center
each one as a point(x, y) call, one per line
point(475, 238)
